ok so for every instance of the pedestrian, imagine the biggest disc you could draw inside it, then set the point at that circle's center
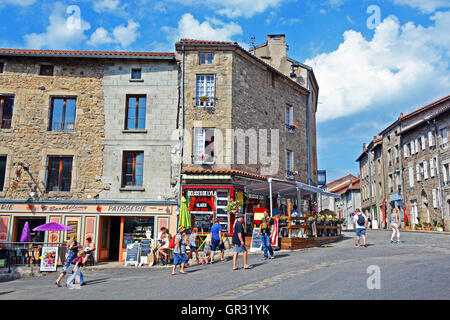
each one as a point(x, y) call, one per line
point(179, 251)
point(193, 246)
point(72, 251)
point(361, 224)
point(294, 212)
point(89, 249)
point(239, 243)
point(265, 230)
point(395, 225)
point(163, 245)
point(78, 261)
point(216, 241)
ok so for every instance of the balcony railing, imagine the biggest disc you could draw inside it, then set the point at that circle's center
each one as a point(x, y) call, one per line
point(209, 103)
point(203, 159)
point(289, 128)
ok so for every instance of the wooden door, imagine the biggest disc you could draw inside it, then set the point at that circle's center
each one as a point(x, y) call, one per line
point(103, 246)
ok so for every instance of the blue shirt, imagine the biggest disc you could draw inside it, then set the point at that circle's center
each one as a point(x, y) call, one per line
point(215, 231)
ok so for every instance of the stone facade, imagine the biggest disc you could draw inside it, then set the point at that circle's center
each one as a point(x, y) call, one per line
point(158, 139)
point(29, 140)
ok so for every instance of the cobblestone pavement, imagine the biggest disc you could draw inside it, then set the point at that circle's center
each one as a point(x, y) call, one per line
point(417, 269)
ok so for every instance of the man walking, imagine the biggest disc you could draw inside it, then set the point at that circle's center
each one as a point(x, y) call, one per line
point(216, 241)
point(361, 225)
point(239, 242)
point(265, 230)
point(394, 224)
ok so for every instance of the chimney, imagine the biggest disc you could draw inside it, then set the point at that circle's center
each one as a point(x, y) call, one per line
point(277, 47)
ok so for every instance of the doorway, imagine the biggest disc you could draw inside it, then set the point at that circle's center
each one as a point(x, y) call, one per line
point(109, 238)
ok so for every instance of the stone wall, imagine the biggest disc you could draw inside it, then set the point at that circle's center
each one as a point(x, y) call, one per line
point(29, 141)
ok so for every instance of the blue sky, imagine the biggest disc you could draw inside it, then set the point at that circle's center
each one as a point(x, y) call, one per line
point(367, 73)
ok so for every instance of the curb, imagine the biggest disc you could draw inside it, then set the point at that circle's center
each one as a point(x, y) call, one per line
point(412, 231)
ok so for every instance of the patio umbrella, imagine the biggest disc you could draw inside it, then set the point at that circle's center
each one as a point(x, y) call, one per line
point(185, 217)
point(26, 234)
point(52, 226)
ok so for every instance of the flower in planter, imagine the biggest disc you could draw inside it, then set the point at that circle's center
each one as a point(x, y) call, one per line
point(205, 98)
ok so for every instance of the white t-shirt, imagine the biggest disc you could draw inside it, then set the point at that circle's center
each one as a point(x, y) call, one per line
point(294, 213)
point(355, 221)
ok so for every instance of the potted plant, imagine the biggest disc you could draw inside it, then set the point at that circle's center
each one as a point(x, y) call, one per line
point(406, 225)
point(440, 226)
point(418, 226)
point(310, 220)
point(320, 220)
point(427, 226)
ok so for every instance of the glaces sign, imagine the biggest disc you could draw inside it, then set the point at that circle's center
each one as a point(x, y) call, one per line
point(202, 201)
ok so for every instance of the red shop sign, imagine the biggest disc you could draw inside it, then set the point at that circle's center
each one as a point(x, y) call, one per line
point(202, 204)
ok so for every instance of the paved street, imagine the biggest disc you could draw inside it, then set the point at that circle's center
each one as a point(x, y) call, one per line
point(417, 269)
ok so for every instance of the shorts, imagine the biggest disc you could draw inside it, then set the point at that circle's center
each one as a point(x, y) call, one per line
point(238, 248)
point(179, 258)
point(193, 247)
point(215, 244)
point(360, 232)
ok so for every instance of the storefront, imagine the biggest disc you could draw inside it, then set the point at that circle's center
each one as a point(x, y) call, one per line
point(112, 225)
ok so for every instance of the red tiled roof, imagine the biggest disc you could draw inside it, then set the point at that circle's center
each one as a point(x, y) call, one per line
point(339, 179)
point(194, 41)
point(354, 184)
point(236, 172)
point(340, 187)
point(424, 107)
point(86, 53)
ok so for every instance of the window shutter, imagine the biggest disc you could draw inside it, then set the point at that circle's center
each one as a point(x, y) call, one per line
point(412, 148)
point(432, 167)
point(430, 138)
point(425, 170)
point(418, 172)
point(444, 172)
point(422, 138)
point(416, 145)
point(434, 198)
point(198, 142)
point(405, 150)
point(411, 177)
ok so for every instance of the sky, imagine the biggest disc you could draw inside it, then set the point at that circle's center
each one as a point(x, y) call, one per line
point(373, 59)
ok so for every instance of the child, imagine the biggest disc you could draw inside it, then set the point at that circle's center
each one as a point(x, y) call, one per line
point(78, 261)
point(207, 249)
point(193, 246)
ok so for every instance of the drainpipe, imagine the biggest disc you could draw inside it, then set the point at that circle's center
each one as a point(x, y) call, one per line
point(402, 169)
point(370, 184)
point(376, 186)
point(308, 133)
point(182, 131)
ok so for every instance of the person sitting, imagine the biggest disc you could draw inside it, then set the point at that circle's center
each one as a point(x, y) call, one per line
point(89, 249)
point(163, 243)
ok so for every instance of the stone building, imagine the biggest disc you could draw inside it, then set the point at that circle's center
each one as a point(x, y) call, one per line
point(405, 160)
point(86, 141)
point(232, 97)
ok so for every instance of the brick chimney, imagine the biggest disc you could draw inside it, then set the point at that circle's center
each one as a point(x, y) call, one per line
point(277, 48)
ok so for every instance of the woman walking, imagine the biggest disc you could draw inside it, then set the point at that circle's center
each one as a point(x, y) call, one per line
point(72, 251)
point(193, 246)
point(179, 251)
point(394, 224)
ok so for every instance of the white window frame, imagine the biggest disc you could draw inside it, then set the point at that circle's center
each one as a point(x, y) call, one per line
point(204, 90)
point(405, 151)
point(430, 139)
point(411, 177)
point(444, 135)
point(434, 198)
point(416, 145)
point(422, 140)
point(199, 147)
point(418, 172)
point(289, 164)
point(289, 118)
point(412, 147)
point(432, 167)
point(425, 170)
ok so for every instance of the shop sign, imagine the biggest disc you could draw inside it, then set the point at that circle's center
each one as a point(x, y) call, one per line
point(49, 258)
point(202, 204)
point(201, 193)
point(255, 196)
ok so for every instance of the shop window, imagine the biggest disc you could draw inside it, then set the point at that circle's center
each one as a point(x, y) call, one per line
point(59, 173)
point(74, 232)
point(206, 57)
point(135, 112)
point(36, 236)
point(46, 70)
point(203, 145)
point(136, 74)
point(136, 229)
point(62, 114)
point(2, 171)
point(205, 88)
point(6, 111)
point(133, 169)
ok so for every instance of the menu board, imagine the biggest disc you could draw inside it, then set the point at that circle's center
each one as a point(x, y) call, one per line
point(256, 244)
point(202, 221)
point(132, 256)
point(145, 250)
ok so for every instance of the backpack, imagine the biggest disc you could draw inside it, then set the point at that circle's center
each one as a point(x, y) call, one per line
point(361, 220)
point(172, 243)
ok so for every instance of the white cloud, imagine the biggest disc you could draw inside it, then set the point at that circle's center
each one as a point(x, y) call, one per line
point(23, 3)
point(106, 5)
point(392, 69)
point(234, 8)
point(426, 6)
point(63, 31)
point(212, 29)
point(121, 35)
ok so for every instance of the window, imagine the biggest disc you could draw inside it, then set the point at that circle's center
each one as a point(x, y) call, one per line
point(289, 164)
point(46, 70)
point(135, 112)
point(62, 114)
point(418, 172)
point(391, 188)
point(422, 140)
point(425, 170)
point(6, 111)
point(432, 167)
point(59, 173)
point(206, 57)
point(411, 177)
point(2, 171)
point(133, 169)
point(412, 147)
point(446, 174)
point(289, 119)
point(405, 151)
point(389, 157)
point(396, 153)
point(430, 139)
point(74, 232)
point(416, 145)
point(136, 74)
point(443, 133)
point(2, 66)
point(205, 88)
point(434, 198)
point(203, 145)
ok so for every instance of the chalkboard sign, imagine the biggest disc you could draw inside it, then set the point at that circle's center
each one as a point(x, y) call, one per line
point(256, 241)
point(145, 250)
point(132, 256)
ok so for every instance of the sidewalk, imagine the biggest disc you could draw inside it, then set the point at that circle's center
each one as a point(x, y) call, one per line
point(403, 230)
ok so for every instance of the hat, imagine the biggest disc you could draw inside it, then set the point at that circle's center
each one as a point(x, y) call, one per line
point(240, 215)
point(181, 229)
